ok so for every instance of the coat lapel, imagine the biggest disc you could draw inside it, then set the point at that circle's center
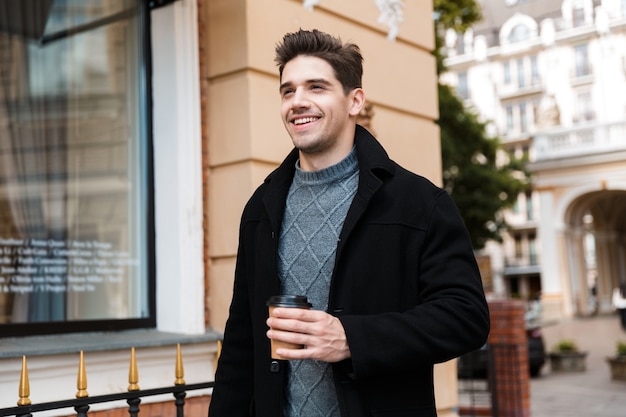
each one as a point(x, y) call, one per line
point(374, 166)
point(278, 183)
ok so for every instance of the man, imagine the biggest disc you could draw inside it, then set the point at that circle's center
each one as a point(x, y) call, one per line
point(381, 253)
point(619, 303)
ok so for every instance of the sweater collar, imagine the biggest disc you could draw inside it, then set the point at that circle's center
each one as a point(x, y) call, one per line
point(371, 157)
point(342, 169)
point(374, 165)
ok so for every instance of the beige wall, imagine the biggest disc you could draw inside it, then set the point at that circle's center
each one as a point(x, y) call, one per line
point(245, 136)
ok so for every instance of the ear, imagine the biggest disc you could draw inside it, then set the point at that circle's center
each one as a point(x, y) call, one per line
point(357, 101)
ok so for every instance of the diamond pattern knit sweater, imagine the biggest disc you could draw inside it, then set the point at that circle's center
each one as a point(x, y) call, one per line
point(316, 208)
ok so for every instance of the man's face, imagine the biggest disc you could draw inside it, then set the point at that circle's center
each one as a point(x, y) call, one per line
point(317, 114)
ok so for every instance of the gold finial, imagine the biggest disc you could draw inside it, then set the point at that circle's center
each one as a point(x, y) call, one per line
point(180, 371)
point(218, 352)
point(24, 390)
point(81, 380)
point(133, 375)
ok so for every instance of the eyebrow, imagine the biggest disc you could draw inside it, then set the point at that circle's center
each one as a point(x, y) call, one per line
point(311, 81)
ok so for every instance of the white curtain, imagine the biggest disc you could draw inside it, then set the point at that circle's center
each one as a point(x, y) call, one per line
point(33, 166)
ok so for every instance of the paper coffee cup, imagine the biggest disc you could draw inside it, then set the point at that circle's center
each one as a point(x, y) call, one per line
point(288, 301)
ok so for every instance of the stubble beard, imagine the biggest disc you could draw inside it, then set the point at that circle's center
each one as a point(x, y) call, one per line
point(313, 146)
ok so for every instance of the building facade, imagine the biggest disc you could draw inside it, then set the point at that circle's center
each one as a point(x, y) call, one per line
point(132, 134)
point(550, 78)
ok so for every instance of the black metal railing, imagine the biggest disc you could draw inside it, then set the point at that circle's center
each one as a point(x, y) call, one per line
point(83, 401)
point(497, 389)
point(475, 383)
point(133, 398)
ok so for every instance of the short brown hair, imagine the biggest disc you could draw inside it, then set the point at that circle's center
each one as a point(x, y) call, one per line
point(345, 59)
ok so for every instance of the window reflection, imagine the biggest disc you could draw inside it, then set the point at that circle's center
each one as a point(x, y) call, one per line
point(73, 205)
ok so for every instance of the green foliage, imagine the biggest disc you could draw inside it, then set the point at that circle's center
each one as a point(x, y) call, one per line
point(458, 15)
point(621, 349)
point(480, 183)
point(566, 345)
point(480, 186)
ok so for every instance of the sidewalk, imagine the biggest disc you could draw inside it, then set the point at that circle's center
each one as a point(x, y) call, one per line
point(587, 394)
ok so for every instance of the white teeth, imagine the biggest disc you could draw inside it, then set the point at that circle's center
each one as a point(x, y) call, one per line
point(304, 120)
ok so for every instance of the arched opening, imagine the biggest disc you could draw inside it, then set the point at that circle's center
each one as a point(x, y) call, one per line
point(596, 247)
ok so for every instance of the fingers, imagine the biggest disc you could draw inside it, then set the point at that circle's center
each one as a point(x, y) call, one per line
point(293, 319)
point(298, 314)
point(289, 325)
point(321, 333)
point(290, 337)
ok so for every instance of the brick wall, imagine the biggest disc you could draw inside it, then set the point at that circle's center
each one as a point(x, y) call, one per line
point(510, 388)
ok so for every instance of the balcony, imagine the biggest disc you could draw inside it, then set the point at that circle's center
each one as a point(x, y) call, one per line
point(580, 141)
point(522, 265)
point(515, 91)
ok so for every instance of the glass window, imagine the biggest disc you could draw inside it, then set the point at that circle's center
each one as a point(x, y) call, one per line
point(585, 107)
point(518, 246)
point(523, 119)
point(507, 72)
point(515, 207)
point(578, 14)
point(510, 118)
point(534, 70)
point(532, 249)
point(529, 206)
point(462, 87)
point(460, 43)
point(515, 287)
point(75, 206)
point(535, 106)
point(582, 61)
point(519, 33)
point(521, 76)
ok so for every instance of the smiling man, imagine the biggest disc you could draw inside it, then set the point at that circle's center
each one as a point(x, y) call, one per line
point(315, 110)
point(381, 254)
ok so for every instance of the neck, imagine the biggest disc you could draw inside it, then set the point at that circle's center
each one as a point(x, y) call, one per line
point(317, 162)
point(329, 157)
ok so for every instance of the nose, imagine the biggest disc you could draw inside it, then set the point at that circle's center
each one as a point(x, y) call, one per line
point(299, 98)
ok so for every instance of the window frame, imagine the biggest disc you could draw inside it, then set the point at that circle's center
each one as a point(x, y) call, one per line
point(143, 16)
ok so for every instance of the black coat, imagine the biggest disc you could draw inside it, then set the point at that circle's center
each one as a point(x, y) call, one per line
point(405, 286)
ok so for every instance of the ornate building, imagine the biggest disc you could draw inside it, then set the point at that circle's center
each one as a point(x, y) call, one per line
point(550, 76)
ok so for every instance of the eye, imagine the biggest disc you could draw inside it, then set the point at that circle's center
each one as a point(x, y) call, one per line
point(286, 92)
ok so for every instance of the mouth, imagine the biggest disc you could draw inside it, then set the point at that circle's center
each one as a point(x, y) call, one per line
point(304, 120)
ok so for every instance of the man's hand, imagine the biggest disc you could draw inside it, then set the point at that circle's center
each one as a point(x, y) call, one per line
point(322, 334)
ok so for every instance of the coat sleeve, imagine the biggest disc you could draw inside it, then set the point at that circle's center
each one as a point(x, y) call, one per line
point(233, 392)
point(450, 317)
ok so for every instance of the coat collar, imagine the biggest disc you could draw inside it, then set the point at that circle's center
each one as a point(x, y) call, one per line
point(374, 168)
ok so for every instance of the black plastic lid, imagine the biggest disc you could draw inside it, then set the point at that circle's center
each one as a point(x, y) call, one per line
point(297, 301)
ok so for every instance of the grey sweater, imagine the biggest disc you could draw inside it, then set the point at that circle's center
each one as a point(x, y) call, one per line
point(316, 208)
